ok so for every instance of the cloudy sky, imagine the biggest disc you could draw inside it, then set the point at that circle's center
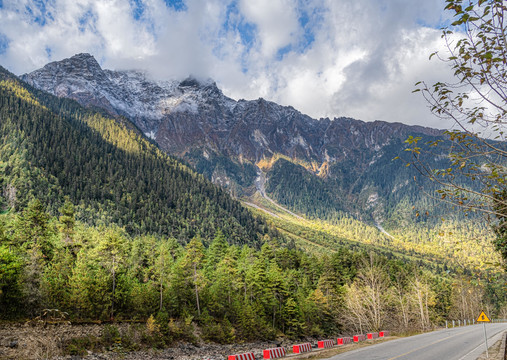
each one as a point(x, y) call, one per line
point(327, 58)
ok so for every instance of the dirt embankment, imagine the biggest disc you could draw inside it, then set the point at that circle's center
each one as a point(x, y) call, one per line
point(98, 341)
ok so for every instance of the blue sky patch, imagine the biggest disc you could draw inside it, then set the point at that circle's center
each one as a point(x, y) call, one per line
point(4, 43)
point(308, 35)
point(235, 21)
point(309, 20)
point(283, 51)
point(39, 14)
point(442, 22)
point(178, 5)
point(85, 20)
point(137, 8)
point(247, 31)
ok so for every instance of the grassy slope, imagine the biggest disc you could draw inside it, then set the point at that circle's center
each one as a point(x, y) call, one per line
point(448, 245)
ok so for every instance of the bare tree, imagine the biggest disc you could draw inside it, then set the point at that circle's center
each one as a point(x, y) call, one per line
point(422, 298)
point(467, 299)
point(368, 296)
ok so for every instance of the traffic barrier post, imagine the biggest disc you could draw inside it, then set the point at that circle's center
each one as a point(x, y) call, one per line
point(384, 333)
point(343, 340)
point(358, 338)
point(323, 344)
point(372, 336)
point(301, 348)
point(274, 353)
point(245, 356)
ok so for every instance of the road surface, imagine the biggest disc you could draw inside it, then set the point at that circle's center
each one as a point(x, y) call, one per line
point(461, 343)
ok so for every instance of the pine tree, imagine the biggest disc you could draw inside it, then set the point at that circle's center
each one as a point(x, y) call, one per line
point(67, 219)
point(193, 262)
point(111, 252)
point(216, 252)
point(292, 318)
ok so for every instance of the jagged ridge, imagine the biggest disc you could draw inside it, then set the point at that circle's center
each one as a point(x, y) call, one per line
point(230, 140)
point(184, 115)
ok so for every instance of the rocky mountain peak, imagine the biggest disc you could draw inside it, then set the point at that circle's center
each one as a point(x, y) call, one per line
point(83, 64)
point(190, 82)
point(84, 58)
point(193, 115)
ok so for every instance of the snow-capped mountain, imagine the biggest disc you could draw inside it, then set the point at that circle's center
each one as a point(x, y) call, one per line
point(181, 116)
point(230, 141)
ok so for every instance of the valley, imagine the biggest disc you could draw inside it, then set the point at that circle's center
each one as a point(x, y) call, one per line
point(215, 180)
point(215, 220)
point(339, 176)
point(260, 182)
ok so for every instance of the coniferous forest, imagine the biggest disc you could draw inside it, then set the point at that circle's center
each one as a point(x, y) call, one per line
point(99, 224)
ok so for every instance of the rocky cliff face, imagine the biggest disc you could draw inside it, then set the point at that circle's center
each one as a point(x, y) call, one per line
point(181, 116)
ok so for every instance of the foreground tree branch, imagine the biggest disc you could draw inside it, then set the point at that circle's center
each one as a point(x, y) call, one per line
point(476, 102)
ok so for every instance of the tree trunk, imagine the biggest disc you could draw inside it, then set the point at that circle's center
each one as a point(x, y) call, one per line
point(161, 292)
point(196, 291)
point(114, 288)
point(274, 311)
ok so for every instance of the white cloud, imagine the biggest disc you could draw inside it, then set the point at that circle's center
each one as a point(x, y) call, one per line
point(276, 21)
point(122, 37)
point(351, 58)
point(104, 28)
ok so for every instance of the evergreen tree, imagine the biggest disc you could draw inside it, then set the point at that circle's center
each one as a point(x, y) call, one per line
point(111, 254)
point(193, 263)
point(67, 219)
point(11, 297)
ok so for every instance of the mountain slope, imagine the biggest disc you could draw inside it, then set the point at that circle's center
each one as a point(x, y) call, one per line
point(52, 147)
point(227, 140)
point(190, 114)
point(325, 170)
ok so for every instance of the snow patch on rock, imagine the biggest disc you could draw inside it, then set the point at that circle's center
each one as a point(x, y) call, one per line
point(260, 138)
point(151, 135)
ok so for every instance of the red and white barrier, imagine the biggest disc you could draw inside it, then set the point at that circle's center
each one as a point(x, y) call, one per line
point(384, 333)
point(245, 356)
point(358, 338)
point(323, 344)
point(372, 336)
point(344, 340)
point(274, 353)
point(301, 348)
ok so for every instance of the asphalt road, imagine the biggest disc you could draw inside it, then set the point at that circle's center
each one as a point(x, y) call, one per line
point(462, 343)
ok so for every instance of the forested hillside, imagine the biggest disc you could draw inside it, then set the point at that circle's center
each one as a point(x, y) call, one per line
point(340, 171)
point(375, 192)
point(231, 292)
point(52, 148)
